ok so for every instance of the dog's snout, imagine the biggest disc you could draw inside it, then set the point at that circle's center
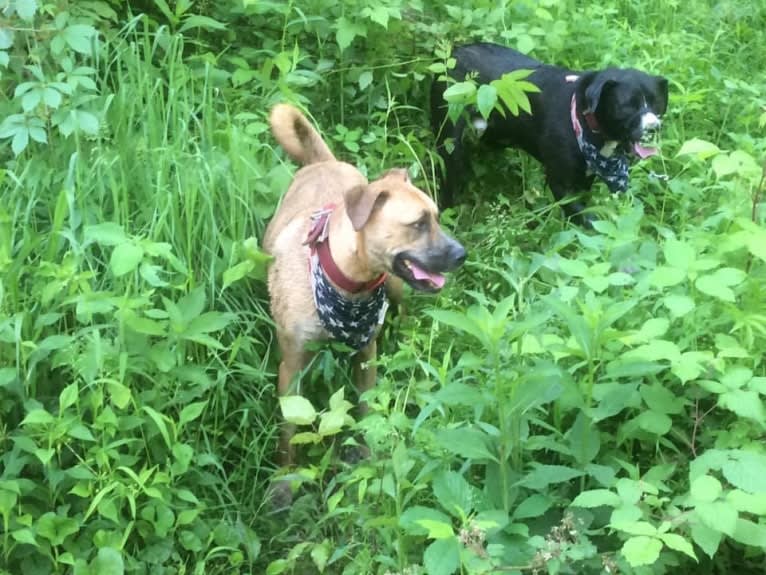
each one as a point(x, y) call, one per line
point(650, 122)
point(456, 254)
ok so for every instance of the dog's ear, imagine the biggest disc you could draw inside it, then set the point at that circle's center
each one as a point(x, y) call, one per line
point(662, 94)
point(596, 88)
point(360, 201)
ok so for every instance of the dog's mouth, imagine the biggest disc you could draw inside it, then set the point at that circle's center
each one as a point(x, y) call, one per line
point(416, 275)
point(644, 148)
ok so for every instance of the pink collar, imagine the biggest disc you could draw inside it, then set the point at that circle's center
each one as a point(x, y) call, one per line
point(319, 241)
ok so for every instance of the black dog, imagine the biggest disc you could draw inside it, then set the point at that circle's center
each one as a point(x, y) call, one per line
point(582, 125)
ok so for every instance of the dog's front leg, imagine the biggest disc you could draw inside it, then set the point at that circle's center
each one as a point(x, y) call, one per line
point(294, 360)
point(365, 371)
point(365, 374)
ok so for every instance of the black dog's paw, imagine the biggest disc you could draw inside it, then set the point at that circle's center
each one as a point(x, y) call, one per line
point(279, 495)
point(354, 452)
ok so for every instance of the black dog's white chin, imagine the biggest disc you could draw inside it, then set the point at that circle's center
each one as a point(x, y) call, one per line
point(416, 275)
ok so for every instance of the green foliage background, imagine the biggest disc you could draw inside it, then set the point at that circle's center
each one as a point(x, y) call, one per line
point(573, 402)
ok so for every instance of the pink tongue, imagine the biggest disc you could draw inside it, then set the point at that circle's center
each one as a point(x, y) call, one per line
point(421, 274)
point(642, 151)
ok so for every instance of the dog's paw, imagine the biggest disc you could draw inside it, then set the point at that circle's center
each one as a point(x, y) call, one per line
point(355, 453)
point(279, 495)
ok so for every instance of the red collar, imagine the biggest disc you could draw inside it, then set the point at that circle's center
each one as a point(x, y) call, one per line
point(319, 241)
point(590, 117)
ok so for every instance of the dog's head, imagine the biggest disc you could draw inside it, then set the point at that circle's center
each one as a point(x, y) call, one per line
point(399, 231)
point(628, 105)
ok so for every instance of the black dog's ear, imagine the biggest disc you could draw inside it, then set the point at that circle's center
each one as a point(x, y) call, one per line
point(595, 89)
point(360, 201)
point(662, 94)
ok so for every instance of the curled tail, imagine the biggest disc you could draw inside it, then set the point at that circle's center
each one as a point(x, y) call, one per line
point(297, 136)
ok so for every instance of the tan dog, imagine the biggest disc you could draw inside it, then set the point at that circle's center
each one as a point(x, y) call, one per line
point(334, 238)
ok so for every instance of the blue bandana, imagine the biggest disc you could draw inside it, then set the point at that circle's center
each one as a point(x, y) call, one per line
point(612, 170)
point(353, 322)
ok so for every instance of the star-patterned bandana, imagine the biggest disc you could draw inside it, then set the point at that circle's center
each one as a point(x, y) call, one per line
point(612, 170)
point(353, 322)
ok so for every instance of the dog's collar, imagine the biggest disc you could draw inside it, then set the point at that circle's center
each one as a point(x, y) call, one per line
point(319, 241)
point(612, 170)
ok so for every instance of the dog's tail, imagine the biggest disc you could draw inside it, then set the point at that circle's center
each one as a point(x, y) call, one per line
point(297, 136)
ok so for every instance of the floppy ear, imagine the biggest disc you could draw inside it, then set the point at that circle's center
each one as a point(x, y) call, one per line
point(595, 90)
point(662, 94)
point(360, 201)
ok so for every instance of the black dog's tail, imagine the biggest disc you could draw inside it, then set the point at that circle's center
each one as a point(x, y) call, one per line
point(297, 136)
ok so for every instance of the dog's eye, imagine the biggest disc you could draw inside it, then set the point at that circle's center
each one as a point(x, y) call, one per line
point(420, 225)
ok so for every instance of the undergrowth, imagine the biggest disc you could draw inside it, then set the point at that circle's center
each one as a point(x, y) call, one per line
point(573, 402)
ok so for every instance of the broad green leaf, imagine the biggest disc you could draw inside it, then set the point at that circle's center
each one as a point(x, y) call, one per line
point(706, 488)
point(412, 517)
point(38, 417)
point(436, 529)
point(56, 528)
point(655, 350)
point(636, 528)
point(191, 412)
point(26, 9)
point(711, 285)
point(654, 422)
point(660, 399)
point(533, 506)
point(754, 503)
point(208, 322)
point(678, 543)
point(453, 493)
point(108, 561)
point(119, 394)
point(320, 553)
point(749, 533)
point(667, 276)
point(105, 234)
point(331, 422)
point(718, 515)
point(701, 148)
point(460, 93)
point(629, 490)
point(597, 498)
point(747, 404)
point(678, 305)
point(198, 21)
point(365, 79)
point(679, 254)
point(746, 472)
point(237, 272)
point(708, 539)
point(625, 514)
point(125, 258)
point(465, 442)
point(68, 396)
point(297, 409)
point(486, 97)
point(346, 31)
point(160, 422)
point(25, 536)
point(442, 557)
point(641, 550)
point(80, 37)
point(584, 439)
point(544, 475)
point(305, 437)
point(736, 377)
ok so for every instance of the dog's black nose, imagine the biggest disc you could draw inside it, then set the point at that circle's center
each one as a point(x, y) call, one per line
point(457, 254)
